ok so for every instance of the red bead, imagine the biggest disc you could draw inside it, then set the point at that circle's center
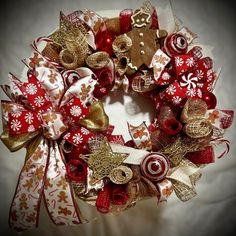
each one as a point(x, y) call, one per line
point(210, 100)
point(77, 170)
point(100, 91)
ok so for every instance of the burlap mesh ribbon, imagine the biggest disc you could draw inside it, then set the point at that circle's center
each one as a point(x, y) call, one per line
point(197, 126)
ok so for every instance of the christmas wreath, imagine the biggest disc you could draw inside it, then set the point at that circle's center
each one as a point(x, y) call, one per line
point(57, 114)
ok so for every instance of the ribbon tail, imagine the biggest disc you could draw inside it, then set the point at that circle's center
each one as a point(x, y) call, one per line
point(183, 191)
point(24, 211)
point(184, 178)
point(58, 195)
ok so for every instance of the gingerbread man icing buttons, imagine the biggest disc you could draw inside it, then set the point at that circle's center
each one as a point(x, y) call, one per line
point(145, 41)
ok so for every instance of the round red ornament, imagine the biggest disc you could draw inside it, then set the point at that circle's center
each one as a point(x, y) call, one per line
point(155, 166)
point(210, 99)
point(176, 44)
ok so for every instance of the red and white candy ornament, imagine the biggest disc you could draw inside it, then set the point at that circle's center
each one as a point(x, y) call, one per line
point(155, 166)
point(176, 44)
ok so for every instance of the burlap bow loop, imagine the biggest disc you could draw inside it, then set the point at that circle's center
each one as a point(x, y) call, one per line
point(193, 115)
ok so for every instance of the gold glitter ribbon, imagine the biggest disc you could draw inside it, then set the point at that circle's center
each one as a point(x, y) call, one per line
point(121, 175)
point(97, 119)
point(175, 151)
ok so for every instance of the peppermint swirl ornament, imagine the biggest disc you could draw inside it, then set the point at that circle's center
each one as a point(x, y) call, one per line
point(155, 166)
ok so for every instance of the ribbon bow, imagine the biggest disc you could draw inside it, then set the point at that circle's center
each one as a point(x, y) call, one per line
point(189, 77)
point(47, 111)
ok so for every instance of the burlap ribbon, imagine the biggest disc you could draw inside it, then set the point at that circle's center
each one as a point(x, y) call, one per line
point(193, 114)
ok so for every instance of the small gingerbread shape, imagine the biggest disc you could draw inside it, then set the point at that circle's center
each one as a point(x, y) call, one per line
point(145, 41)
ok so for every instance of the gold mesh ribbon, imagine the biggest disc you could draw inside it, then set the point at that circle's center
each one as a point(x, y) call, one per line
point(52, 51)
point(66, 28)
point(121, 64)
point(144, 187)
point(113, 25)
point(76, 51)
point(121, 82)
point(175, 151)
point(131, 191)
point(147, 188)
point(147, 7)
point(121, 46)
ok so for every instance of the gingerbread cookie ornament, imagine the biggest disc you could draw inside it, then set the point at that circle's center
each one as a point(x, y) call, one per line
point(145, 41)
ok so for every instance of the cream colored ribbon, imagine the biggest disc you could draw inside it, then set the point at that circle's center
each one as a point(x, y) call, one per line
point(159, 61)
point(181, 179)
point(135, 155)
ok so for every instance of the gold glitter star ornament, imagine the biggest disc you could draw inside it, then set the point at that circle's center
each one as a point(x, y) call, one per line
point(66, 30)
point(103, 161)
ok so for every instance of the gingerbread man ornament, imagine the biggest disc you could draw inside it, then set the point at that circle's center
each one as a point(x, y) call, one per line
point(145, 41)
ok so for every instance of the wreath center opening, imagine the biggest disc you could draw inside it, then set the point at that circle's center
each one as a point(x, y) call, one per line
point(129, 107)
